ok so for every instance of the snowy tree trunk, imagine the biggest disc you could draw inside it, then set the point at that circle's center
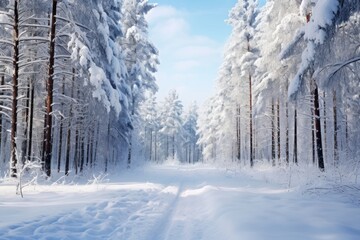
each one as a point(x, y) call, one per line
point(325, 126)
point(238, 133)
point(2, 83)
point(61, 130)
point(295, 137)
point(31, 122)
point(15, 83)
point(273, 133)
point(50, 87)
point(318, 130)
point(336, 147)
point(278, 132)
point(251, 123)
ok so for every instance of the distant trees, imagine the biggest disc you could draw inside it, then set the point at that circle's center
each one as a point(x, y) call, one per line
point(302, 86)
point(167, 132)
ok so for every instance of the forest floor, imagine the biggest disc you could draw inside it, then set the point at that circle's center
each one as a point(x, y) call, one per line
point(178, 202)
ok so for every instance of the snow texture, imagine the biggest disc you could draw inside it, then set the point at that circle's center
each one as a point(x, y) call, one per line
point(322, 16)
point(177, 202)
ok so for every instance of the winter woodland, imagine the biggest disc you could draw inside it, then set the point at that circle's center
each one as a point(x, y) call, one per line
point(273, 154)
point(78, 89)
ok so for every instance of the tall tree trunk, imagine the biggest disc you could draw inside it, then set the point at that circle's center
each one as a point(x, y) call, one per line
point(96, 144)
point(68, 139)
point(31, 123)
point(155, 146)
point(129, 152)
point(238, 133)
point(173, 146)
point(313, 134)
point(15, 83)
point(24, 144)
point(2, 83)
point(76, 155)
point(278, 132)
point(325, 126)
point(287, 133)
point(61, 129)
point(295, 137)
point(273, 133)
point(336, 146)
point(251, 124)
point(50, 87)
point(151, 144)
point(318, 130)
point(82, 151)
point(108, 148)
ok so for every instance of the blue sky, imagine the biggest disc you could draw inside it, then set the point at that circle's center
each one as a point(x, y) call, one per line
point(190, 36)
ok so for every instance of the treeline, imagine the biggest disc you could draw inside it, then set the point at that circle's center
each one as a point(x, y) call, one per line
point(166, 132)
point(288, 89)
point(72, 76)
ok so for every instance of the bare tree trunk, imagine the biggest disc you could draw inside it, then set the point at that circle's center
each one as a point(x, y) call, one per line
point(155, 147)
point(336, 150)
point(82, 150)
point(2, 82)
point(108, 148)
point(238, 133)
point(251, 124)
point(61, 129)
point(76, 156)
point(278, 132)
point(273, 133)
point(325, 125)
point(15, 90)
point(31, 123)
point(313, 134)
point(173, 146)
point(96, 144)
point(295, 137)
point(318, 130)
point(68, 143)
point(50, 87)
point(24, 144)
point(287, 133)
point(151, 144)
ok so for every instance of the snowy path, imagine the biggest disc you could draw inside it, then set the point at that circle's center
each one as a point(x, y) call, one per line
point(175, 203)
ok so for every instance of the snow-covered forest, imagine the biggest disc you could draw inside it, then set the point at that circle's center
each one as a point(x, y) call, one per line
point(288, 89)
point(81, 124)
point(78, 85)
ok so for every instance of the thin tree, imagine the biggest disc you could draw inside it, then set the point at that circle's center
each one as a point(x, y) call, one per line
point(49, 98)
point(15, 86)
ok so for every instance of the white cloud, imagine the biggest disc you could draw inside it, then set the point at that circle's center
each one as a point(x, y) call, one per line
point(189, 62)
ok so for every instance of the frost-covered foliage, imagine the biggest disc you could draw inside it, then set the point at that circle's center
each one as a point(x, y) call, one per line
point(297, 46)
point(92, 95)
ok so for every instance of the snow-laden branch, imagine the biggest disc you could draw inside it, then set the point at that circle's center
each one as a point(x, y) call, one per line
point(334, 68)
point(323, 15)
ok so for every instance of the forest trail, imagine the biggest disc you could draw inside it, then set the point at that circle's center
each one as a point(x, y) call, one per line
point(176, 203)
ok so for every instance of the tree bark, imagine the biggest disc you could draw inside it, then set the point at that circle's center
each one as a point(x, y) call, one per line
point(50, 87)
point(318, 130)
point(251, 124)
point(278, 132)
point(13, 170)
point(273, 133)
point(238, 133)
point(336, 151)
point(61, 130)
point(31, 122)
point(295, 137)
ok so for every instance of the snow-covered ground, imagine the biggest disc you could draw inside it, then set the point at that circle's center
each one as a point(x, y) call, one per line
point(177, 202)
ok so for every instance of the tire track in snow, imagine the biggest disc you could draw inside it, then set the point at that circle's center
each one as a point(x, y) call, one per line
point(165, 224)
